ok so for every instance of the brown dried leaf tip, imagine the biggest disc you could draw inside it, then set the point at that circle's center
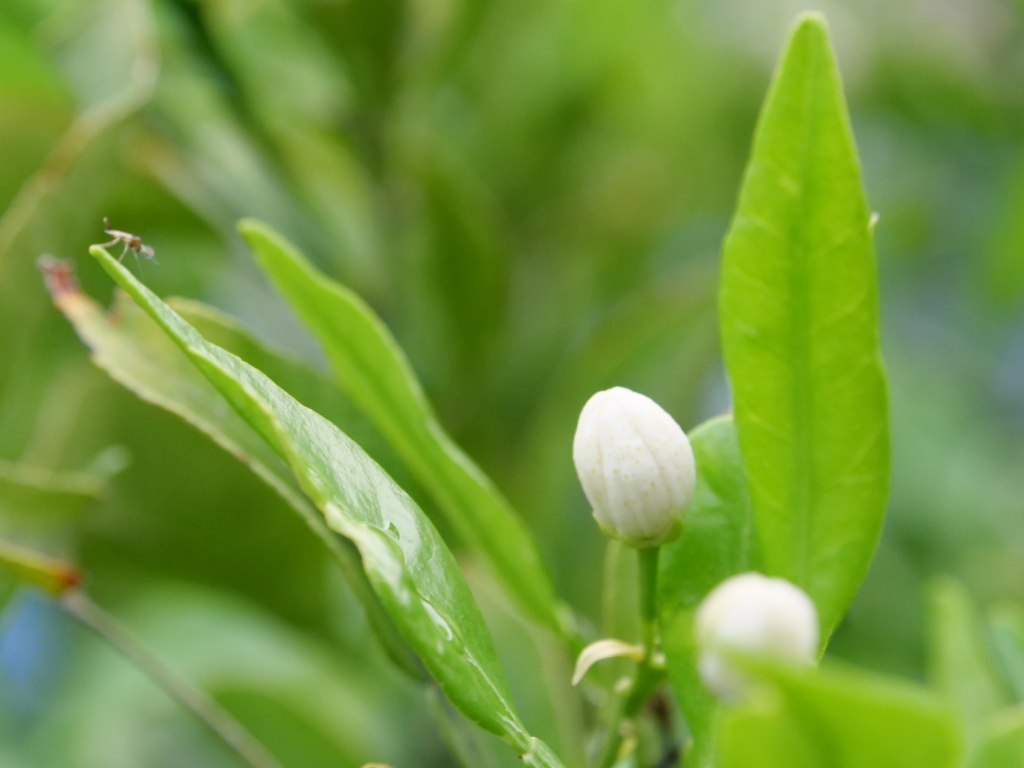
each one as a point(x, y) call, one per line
point(58, 274)
point(70, 578)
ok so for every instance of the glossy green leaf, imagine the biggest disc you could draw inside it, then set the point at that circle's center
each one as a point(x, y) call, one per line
point(838, 718)
point(799, 321)
point(959, 664)
point(136, 353)
point(411, 570)
point(718, 541)
point(310, 387)
point(375, 373)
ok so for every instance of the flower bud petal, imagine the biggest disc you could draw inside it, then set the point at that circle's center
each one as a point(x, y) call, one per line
point(756, 615)
point(636, 467)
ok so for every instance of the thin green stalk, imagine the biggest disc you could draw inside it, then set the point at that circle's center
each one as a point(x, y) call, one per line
point(213, 715)
point(648, 677)
point(649, 673)
point(648, 559)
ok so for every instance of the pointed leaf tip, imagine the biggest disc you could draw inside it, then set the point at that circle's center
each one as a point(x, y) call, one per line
point(800, 325)
point(809, 36)
point(811, 24)
point(413, 573)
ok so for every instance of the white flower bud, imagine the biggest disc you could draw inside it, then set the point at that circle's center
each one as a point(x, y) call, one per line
point(635, 465)
point(757, 615)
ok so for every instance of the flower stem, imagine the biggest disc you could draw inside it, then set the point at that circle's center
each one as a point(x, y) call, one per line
point(213, 715)
point(648, 559)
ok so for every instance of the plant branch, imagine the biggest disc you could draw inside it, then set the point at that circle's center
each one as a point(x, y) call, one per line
point(213, 715)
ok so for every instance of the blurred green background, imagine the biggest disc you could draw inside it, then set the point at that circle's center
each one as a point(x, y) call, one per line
point(532, 193)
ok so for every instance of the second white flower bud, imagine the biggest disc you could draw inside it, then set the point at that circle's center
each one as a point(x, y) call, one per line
point(636, 467)
point(755, 615)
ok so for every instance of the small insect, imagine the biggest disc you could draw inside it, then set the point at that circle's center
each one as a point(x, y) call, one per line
point(131, 243)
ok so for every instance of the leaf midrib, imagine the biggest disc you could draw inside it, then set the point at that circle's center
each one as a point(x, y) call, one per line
point(803, 467)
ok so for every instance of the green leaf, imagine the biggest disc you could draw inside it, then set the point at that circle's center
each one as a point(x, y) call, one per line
point(959, 663)
point(799, 321)
point(136, 353)
point(310, 387)
point(469, 746)
point(538, 669)
point(38, 505)
point(465, 257)
point(309, 705)
point(8, 587)
point(29, 565)
point(37, 498)
point(1003, 268)
point(718, 541)
point(1007, 625)
point(411, 570)
point(1003, 743)
point(838, 718)
point(764, 737)
point(375, 373)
